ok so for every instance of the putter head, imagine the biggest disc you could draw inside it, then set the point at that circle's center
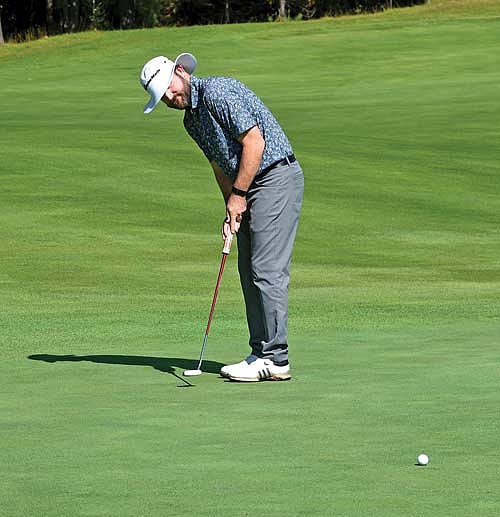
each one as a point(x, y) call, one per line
point(191, 373)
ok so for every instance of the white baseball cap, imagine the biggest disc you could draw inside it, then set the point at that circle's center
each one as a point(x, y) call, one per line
point(158, 72)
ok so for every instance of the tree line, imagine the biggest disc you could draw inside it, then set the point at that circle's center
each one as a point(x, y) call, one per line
point(30, 19)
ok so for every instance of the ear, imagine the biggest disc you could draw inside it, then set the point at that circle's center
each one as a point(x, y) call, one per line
point(181, 72)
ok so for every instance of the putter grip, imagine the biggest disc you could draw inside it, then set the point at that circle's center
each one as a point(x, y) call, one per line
point(227, 244)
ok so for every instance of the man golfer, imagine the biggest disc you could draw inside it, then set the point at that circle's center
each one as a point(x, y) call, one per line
point(262, 184)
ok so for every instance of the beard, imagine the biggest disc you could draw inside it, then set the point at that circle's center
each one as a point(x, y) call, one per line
point(182, 99)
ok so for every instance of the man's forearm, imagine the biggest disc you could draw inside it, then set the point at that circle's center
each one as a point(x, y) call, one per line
point(225, 183)
point(252, 149)
point(251, 157)
point(252, 145)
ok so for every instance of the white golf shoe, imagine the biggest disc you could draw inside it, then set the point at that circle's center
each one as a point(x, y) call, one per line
point(254, 369)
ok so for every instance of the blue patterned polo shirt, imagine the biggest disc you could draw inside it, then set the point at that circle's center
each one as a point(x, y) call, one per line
point(221, 110)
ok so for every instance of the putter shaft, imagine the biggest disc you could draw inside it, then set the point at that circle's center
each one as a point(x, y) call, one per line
point(225, 253)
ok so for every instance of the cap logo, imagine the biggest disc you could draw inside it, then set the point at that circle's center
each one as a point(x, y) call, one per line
point(151, 78)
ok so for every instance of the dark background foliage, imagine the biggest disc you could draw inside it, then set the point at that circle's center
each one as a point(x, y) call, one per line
point(26, 19)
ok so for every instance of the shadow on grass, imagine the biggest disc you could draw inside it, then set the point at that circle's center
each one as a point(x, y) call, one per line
point(163, 364)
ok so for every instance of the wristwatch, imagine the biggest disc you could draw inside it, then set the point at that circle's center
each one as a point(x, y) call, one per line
point(238, 192)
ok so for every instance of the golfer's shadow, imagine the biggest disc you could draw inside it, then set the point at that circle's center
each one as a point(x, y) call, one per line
point(162, 364)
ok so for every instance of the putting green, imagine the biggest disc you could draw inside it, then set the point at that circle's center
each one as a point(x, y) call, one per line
point(110, 252)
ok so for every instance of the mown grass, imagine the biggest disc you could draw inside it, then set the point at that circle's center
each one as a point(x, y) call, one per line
point(110, 251)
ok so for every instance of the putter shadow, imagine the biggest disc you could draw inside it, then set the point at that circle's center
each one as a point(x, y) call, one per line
point(162, 364)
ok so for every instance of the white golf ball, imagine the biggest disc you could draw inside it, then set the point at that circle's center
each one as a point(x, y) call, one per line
point(422, 459)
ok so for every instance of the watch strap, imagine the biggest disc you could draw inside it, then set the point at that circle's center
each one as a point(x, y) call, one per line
point(239, 192)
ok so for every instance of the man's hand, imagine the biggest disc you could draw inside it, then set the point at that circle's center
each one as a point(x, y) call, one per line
point(236, 206)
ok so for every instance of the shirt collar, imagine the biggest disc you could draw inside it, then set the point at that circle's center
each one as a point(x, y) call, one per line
point(195, 88)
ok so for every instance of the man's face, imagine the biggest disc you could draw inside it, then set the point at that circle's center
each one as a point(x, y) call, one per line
point(178, 94)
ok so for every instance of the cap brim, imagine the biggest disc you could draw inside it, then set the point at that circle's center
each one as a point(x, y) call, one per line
point(157, 90)
point(150, 106)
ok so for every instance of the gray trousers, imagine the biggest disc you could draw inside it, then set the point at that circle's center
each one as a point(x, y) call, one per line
point(265, 243)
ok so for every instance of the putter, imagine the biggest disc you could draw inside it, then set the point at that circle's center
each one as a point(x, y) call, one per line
point(225, 253)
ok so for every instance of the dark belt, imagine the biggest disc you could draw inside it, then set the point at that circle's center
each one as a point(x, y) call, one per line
point(286, 161)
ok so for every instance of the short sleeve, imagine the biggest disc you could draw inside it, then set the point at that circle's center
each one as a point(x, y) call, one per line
point(231, 110)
